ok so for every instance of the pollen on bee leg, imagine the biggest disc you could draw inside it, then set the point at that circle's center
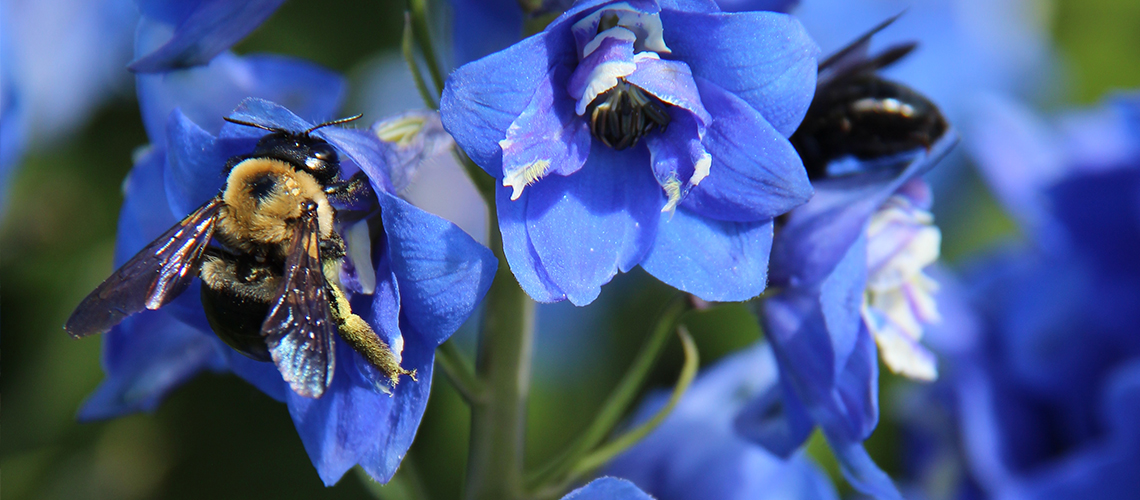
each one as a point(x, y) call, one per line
point(525, 176)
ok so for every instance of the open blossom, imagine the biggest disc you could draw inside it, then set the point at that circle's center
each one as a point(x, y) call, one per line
point(640, 133)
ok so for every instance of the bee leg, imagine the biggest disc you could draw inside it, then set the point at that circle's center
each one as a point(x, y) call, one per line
point(359, 335)
point(354, 198)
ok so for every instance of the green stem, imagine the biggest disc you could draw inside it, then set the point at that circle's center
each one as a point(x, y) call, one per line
point(620, 399)
point(606, 453)
point(454, 366)
point(503, 363)
point(612, 449)
point(423, 36)
point(408, 48)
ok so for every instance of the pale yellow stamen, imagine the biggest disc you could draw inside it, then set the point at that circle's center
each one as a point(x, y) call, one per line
point(526, 176)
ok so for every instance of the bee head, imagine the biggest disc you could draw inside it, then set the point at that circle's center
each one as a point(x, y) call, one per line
point(305, 152)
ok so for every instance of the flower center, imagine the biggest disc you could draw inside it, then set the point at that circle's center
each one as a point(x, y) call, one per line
point(902, 241)
point(624, 114)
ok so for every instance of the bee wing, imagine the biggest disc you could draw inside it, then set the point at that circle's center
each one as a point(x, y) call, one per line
point(299, 328)
point(152, 278)
point(854, 59)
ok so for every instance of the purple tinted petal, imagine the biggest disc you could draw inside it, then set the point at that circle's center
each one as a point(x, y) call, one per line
point(857, 387)
point(795, 326)
point(202, 31)
point(208, 93)
point(546, 138)
point(676, 155)
point(145, 357)
point(608, 488)
point(672, 82)
point(820, 233)
point(765, 58)
point(528, 268)
point(482, 98)
point(841, 300)
point(352, 423)
point(588, 226)
point(442, 272)
point(755, 172)
point(714, 260)
point(599, 71)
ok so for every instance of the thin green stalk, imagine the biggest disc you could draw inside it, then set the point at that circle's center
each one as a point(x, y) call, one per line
point(408, 48)
point(423, 36)
point(612, 449)
point(606, 453)
point(462, 377)
point(620, 399)
point(503, 364)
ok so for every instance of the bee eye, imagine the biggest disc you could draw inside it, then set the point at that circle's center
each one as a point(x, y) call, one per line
point(324, 152)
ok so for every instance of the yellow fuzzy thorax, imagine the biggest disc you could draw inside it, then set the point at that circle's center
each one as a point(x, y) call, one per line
point(248, 219)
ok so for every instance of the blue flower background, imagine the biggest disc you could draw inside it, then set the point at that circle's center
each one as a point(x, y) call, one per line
point(1037, 350)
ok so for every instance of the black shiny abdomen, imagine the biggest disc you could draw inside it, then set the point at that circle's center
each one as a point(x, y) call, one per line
point(867, 117)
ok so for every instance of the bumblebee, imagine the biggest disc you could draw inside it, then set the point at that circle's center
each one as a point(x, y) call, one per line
point(855, 112)
point(269, 259)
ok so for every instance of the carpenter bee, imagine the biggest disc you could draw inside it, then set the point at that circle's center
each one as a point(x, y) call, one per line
point(857, 113)
point(269, 259)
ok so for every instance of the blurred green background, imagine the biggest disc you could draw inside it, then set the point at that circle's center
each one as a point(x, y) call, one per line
point(218, 437)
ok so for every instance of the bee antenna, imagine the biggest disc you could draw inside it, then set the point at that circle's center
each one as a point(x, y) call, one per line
point(335, 122)
point(251, 124)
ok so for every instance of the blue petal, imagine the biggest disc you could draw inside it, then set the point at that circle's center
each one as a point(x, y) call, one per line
point(202, 31)
point(675, 156)
point(384, 313)
point(608, 488)
point(714, 260)
point(841, 300)
point(354, 424)
point(588, 226)
point(795, 326)
point(482, 98)
point(483, 27)
point(546, 133)
point(862, 472)
point(776, 420)
point(528, 268)
point(756, 174)
point(146, 357)
point(208, 93)
point(765, 58)
point(259, 374)
point(857, 388)
point(195, 163)
point(442, 272)
point(672, 82)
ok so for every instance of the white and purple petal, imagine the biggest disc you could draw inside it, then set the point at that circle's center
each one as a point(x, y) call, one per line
point(547, 138)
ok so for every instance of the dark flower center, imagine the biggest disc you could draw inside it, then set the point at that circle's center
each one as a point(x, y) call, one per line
point(624, 114)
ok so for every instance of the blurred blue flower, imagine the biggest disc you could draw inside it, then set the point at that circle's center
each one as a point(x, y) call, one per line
point(582, 197)
point(696, 453)
point(608, 488)
point(849, 269)
point(51, 81)
point(482, 27)
point(1048, 398)
point(428, 274)
point(194, 32)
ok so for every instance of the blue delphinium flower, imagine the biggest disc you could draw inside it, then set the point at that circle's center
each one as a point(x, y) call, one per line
point(696, 452)
point(849, 269)
point(13, 110)
point(687, 187)
point(428, 275)
point(195, 32)
point(1047, 400)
